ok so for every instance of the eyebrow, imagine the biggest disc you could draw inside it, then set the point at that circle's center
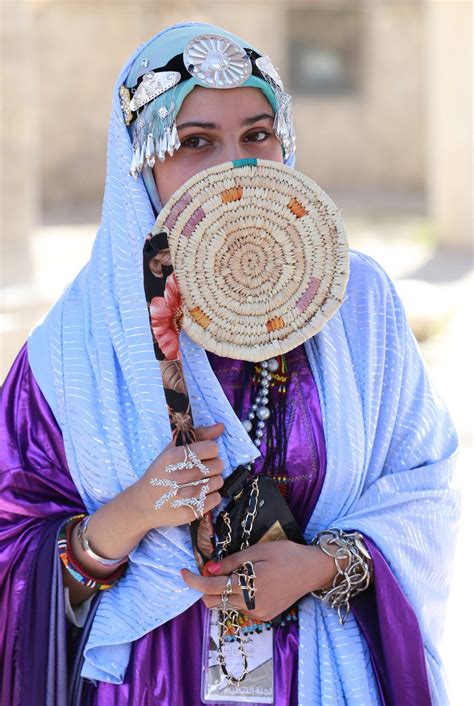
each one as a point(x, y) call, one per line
point(213, 126)
point(257, 118)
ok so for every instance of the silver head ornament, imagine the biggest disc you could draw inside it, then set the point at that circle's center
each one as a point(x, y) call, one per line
point(269, 72)
point(153, 85)
point(214, 61)
point(217, 62)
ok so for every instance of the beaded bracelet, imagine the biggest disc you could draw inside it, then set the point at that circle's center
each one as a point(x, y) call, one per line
point(69, 562)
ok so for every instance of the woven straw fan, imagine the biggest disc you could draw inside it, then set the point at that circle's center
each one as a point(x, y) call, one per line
point(260, 255)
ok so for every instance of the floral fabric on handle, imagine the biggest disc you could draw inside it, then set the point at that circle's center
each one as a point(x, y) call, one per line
point(164, 306)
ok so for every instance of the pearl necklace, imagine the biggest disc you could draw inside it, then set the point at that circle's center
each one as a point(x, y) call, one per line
point(259, 412)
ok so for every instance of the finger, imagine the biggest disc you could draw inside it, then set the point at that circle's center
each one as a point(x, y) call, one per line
point(212, 500)
point(235, 561)
point(213, 483)
point(209, 433)
point(203, 449)
point(235, 601)
point(215, 467)
point(209, 585)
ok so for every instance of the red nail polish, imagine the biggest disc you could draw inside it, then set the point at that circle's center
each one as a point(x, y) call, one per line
point(212, 567)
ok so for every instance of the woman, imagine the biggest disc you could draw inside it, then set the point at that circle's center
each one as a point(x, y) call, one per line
point(367, 446)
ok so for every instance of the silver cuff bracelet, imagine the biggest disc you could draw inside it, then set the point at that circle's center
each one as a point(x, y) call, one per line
point(84, 542)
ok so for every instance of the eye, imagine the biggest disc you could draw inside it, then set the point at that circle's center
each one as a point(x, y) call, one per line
point(257, 136)
point(194, 142)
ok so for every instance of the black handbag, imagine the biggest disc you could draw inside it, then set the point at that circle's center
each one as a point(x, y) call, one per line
point(257, 512)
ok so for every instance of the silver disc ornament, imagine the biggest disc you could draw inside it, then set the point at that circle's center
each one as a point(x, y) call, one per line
point(216, 61)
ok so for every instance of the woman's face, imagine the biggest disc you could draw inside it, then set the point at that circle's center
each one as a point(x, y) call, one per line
point(216, 126)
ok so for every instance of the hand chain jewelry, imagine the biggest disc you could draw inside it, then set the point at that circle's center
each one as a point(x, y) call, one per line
point(196, 504)
point(197, 462)
point(350, 580)
point(190, 461)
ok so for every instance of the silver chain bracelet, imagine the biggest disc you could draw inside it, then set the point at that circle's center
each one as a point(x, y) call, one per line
point(353, 565)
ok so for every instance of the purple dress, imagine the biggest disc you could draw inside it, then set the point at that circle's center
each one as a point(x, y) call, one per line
point(37, 494)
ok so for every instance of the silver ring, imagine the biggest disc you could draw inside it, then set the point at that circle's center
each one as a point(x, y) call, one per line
point(228, 586)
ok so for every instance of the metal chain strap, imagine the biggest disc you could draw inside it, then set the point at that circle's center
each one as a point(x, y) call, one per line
point(230, 615)
point(248, 521)
point(222, 544)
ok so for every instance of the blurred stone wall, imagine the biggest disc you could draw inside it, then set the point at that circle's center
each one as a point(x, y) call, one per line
point(372, 138)
point(18, 141)
point(407, 129)
point(450, 125)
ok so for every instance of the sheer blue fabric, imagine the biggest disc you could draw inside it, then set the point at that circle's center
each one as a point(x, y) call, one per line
point(390, 448)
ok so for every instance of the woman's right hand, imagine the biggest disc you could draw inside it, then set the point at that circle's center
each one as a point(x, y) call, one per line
point(147, 494)
point(119, 525)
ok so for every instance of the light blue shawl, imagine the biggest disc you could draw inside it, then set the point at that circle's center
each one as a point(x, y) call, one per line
point(389, 443)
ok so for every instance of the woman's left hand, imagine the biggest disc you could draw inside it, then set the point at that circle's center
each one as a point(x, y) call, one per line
point(284, 572)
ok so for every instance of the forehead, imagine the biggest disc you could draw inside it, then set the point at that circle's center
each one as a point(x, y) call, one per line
point(212, 102)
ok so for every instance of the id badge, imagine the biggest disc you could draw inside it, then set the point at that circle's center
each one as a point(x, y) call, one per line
point(257, 686)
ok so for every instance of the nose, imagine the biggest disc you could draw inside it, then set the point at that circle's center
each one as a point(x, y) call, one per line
point(232, 150)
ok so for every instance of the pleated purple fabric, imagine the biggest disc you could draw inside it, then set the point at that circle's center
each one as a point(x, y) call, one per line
point(37, 492)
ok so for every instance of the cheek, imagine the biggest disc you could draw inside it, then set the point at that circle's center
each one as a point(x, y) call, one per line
point(171, 174)
point(166, 179)
point(274, 151)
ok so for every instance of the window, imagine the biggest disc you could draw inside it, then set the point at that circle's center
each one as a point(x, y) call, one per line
point(324, 50)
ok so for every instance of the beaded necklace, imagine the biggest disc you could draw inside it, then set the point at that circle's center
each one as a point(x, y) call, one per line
point(269, 415)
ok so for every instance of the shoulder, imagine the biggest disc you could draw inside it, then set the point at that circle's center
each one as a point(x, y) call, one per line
point(371, 305)
point(17, 378)
point(26, 419)
point(15, 390)
point(366, 273)
point(369, 284)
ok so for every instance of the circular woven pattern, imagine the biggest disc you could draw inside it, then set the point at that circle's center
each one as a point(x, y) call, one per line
point(260, 255)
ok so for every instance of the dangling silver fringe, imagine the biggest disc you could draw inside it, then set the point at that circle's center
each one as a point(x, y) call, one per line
point(155, 136)
point(283, 123)
point(150, 150)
